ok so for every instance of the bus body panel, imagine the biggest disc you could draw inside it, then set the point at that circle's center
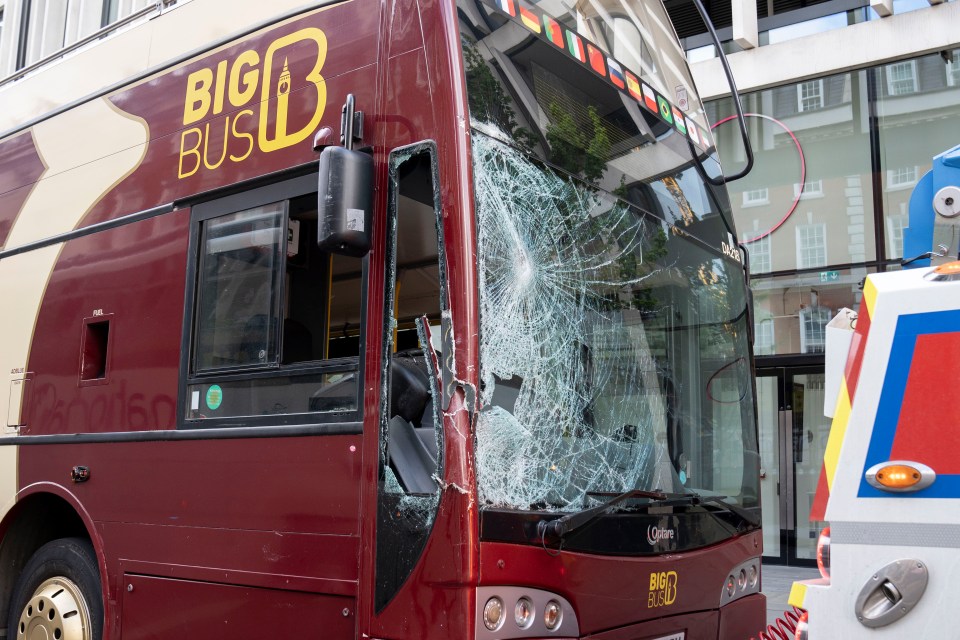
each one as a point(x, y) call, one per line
point(270, 514)
point(610, 591)
point(142, 299)
point(423, 99)
point(240, 611)
point(23, 167)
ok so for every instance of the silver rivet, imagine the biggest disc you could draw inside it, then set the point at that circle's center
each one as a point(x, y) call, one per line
point(346, 613)
point(129, 588)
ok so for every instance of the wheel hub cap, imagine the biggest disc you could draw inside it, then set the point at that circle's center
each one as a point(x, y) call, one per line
point(57, 611)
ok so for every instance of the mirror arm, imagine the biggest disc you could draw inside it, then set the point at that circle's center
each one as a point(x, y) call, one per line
point(351, 123)
point(748, 148)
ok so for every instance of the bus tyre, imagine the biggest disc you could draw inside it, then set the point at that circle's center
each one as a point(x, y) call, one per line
point(58, 594)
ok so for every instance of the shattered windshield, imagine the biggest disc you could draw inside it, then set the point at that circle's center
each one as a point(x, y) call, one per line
point(613, 342)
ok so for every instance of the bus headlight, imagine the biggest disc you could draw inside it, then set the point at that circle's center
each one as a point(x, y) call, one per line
point(753, 575)
point(493, 613)
point(523, 613)
point(552, 615)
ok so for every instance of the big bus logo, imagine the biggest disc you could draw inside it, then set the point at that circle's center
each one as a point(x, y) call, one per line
point(250, 84)
point(663, 589)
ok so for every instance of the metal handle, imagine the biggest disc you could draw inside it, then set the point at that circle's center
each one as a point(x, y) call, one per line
point(891, 593)
point(787, 508)
point(748, 148)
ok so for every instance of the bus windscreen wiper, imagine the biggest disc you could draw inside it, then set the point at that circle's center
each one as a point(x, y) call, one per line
point(697, 499)
point(557, 529)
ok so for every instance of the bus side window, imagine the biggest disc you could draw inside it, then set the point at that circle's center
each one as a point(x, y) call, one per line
point(411, 464)
point(276, 322)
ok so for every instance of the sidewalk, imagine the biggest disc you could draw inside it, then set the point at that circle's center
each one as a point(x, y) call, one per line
point(777, 581)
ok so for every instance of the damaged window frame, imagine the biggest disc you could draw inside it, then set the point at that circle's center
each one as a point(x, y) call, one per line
point(404, 517)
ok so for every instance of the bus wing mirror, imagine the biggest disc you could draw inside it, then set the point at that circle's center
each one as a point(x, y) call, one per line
point(345, 202)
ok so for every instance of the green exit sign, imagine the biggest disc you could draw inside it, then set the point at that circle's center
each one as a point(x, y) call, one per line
point(829, 276)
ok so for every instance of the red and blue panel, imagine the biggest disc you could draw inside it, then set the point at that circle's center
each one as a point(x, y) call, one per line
point(918, 418)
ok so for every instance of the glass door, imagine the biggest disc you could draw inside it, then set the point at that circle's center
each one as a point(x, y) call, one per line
point(809, 432)
point(793, 437)
point(768, 412)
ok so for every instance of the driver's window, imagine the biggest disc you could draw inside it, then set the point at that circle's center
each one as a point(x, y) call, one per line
point(411, 430)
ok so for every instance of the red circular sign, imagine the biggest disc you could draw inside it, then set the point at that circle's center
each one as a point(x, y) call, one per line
point(803, 171)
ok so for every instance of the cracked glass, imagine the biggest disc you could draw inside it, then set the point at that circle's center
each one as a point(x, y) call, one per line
point(613, 335)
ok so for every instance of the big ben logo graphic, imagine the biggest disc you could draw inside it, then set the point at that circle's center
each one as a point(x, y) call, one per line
point(256, 92)
point(279, 136)
point(283, 100)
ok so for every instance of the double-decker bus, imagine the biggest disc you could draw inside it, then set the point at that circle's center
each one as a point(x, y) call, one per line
point(408, 320)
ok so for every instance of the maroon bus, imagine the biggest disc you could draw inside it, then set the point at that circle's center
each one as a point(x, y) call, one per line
point(408, 320)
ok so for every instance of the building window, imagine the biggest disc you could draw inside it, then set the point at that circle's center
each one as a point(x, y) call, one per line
point(811, 246)
point(953, 69)
point(809, 189)
point(763, 337)
point(50, 25)
point(902, 78)
point(114, 10)
point(813, 329)
point(810, 95)
point(895, 226)
point(759, 252)
point(902, 178)
point(756, 197)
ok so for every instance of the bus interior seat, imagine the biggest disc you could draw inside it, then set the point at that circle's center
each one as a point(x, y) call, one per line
point(409, 458)
point(255, 340)
point(412, 449)
point(297, 342)
point(337, 396)
point(409, 387)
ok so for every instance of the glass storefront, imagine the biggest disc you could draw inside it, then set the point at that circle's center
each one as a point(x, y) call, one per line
point(837, 159)
point(918, 116)
point(791, 312)
point(808, 203)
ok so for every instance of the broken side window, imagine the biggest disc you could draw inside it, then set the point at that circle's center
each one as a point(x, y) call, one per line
point(411, 436)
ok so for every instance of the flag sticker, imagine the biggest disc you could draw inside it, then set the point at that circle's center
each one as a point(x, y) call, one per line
point(507, 6)
point(554, 32)
point(616, 74)
point(529, 19)
point(575, 46)
point(633, 86)
point(664, 109)
point(678, 121)
point(649, 98)
point(704, 140)
point(692, 132)
point(596, 60)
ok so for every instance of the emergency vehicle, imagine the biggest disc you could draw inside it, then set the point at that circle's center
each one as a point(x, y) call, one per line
point(891, 556)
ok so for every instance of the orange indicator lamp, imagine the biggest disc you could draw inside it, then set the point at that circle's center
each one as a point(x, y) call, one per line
point(900, 476)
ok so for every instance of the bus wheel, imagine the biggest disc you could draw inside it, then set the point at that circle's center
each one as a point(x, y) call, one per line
point(58, 594)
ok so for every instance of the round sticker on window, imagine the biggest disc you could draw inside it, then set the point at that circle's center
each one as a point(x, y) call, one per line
point(214, 397)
